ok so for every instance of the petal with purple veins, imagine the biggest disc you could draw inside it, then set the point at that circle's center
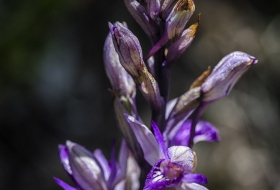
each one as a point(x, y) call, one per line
point(103, 163)
point(64, 158)
point(157, 180)
point(146, 140)
point(195, 178)
point(159, 139)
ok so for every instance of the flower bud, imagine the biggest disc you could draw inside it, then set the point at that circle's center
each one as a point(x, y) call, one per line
point(178, 18)
point(85, 169)
point(128, 48)
point(224, 76)
point(165, 6)
point(141, 15)
point(178, 47)
point(121, 81)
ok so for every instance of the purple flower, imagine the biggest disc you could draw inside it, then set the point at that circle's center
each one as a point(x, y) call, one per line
point(91, 171)
point(172, 167)
point(204, 131)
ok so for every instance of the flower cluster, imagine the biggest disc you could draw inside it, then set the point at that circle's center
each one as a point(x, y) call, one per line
point(162, 151)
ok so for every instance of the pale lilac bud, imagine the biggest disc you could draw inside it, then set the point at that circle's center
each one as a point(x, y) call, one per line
point(130, 54)
point(224, 76)
point(141, 15)
point(178, 18)
point(85, 169)
point(128, 48)
point(178, 47)
point(121, 81)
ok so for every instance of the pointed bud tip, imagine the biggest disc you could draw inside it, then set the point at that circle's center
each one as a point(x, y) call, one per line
point(254, 61)
point(70, 144)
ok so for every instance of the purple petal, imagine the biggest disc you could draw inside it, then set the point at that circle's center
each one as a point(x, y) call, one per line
point(103, 163)
point(204, 131)
point(114, 168)
point(64, 158)
point(182, 156)
point(159, 139)
point(195, 178)
point(141, 16)
point(157, 46)
point(146, 140)
point(156, 179)
point(64, 185)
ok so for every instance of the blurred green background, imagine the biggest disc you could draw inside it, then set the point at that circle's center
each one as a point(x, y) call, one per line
point(53, 87)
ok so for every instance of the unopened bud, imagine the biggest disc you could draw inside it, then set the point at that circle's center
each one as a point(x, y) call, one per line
point(178, 18)
point(85, 169)
point(225, 75)
point(128, 48)
point(121, 81)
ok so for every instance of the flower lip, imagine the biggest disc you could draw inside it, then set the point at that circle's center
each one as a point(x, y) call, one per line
point(171, 170)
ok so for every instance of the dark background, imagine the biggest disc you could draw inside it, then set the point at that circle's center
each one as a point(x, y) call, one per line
point(53, 87)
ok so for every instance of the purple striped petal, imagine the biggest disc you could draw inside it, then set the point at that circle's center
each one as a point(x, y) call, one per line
point(204, 131)
point(195, 178)
point(103, 163)
point(114, 168)
point(64, 185)
point(157, 180)
point(64, 158)
point(159, 139)
point(85, 168)
point(141, 16)
point(146, 140)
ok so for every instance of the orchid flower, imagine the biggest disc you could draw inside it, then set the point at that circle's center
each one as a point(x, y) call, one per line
point(91, 171)
point(171, 167)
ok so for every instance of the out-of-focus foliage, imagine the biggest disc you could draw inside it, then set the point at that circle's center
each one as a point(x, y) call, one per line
point(53, 87)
